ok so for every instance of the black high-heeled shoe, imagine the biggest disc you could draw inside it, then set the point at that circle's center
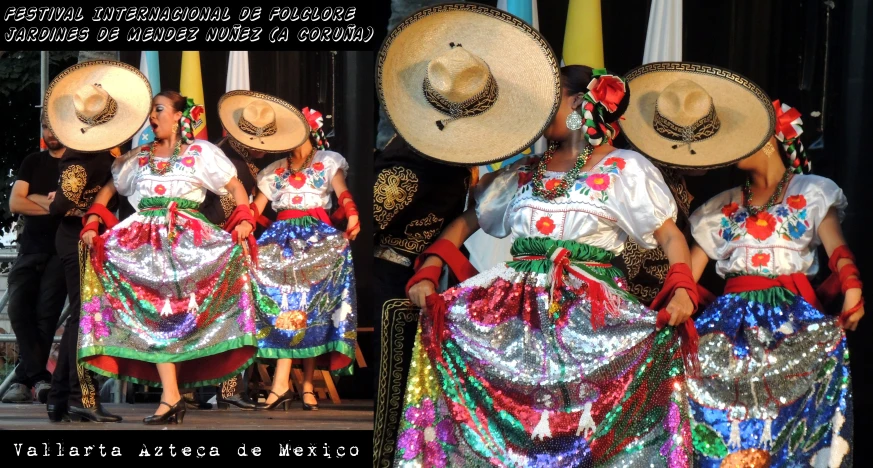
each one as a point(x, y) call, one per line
point(287, 396)
point(176, 414)
point(306, 405)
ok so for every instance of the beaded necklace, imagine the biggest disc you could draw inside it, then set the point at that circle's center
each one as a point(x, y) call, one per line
point(175, 157)
point(747, 194)
point(305, 163)
point(564, 185)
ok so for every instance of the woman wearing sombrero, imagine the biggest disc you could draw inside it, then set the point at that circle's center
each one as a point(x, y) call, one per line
point(774, 385)
point(305, 270)
point(545, 360)
point(168, 296)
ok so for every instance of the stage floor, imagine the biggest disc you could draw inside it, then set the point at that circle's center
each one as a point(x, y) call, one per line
point(349, 415)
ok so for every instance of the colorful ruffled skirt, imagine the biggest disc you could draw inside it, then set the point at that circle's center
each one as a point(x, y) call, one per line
point(307, 285)
point(775, 383)
point(167, 286)
point(521, 379)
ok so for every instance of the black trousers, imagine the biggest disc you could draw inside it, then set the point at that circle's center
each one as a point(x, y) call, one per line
point(71, 383)
point(37, 292)
point(398, 322)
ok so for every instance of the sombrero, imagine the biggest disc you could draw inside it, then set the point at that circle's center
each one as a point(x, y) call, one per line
point(97, 105)
point(690, 115)
point(262, 122)
point(467, 84)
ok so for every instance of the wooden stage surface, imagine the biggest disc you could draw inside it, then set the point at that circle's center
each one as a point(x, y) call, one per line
point(349, 415)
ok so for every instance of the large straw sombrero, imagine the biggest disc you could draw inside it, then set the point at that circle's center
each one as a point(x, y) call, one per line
point(98, 105)
point(467, 84)
point(262, 122)
point(690, 115)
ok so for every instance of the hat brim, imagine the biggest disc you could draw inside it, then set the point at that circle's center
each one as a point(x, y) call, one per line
point(123, 82)
point(743, 109)
point(292, 129)
point(521, 61)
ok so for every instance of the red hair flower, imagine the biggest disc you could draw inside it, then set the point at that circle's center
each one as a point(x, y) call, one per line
point(313, 117)
point(608, 90)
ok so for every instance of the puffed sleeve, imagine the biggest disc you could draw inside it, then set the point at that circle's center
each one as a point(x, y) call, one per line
point(267, 179)
point(493, 194)
point(822, 194)
point(124, 170)
point(215, 170)
point(711, 223)
point(333, 163)
point(639, 199)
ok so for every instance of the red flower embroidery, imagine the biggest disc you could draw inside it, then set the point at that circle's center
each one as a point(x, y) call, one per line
point(729, 210)
point(163, 165)
point(297, 200)
point(160, 189)
point(545, 225)
point(143, 161)
point(599, 182)
point(318, 166)
point(608, 90)
point(144, 148)
point(618, 162)
point(280, 171)
point(796, 201)
point(524, 178)
point(761, 226)
point(552, 184)
point(297, 180)
point(195, 149)
point(188, 161)
point(760, 260)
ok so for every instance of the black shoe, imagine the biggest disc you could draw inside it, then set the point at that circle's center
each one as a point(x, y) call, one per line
point(57, 413)
point(192, 403)
point(79, 414)
point(42, 389)
point(306, 405)
point(287, 396)
point(240, 401)
point(176, 414)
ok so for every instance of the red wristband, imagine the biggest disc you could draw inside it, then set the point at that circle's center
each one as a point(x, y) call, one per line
point(92, 226)
point(101, 212)
point(240, 213)
point(452, 256)
point(847, 271)
point(840, 253)
point(851, 283)
point(431, 273)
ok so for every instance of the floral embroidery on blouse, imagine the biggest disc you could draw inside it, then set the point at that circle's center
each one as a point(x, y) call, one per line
point(313, 176)
point(593, 184)
point(789, 222)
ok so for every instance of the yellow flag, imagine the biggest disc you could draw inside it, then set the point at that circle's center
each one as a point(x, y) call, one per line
point(191, 86)
point(583, 37)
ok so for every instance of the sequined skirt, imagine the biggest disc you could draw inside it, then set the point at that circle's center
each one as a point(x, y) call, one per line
point(155, 298)
point(775, 383)
point(516, 382)
point(307, 280)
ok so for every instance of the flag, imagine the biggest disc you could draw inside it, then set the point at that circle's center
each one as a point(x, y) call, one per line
point(148, 65)
point(485, 250)
point(237, 73)
point(191, 86)
point(664, 36)
point(583, 37)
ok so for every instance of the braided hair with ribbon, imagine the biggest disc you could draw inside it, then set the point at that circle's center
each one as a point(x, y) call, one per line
point(316, 124)
point(190, 116)
point(788, 131)
point(605, 99)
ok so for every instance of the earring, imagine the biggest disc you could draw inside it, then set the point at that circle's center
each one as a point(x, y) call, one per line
point(175, 127)
point(768, 149)
point(574, 120)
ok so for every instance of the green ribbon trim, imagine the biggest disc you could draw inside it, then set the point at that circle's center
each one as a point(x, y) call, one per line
point(162, 357)
point(337, 346)
point(305, 221)
point(579, 253)
point(157, 206)
point(773, 296)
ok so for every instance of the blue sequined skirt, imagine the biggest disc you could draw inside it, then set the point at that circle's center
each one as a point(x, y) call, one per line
point(775, 383)
point(307, 289)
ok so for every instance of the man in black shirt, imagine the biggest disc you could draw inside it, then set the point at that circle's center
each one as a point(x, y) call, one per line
point(73, 393)
point(36, 282)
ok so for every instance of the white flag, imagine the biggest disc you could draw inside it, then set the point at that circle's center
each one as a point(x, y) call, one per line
point(238, 71)
point(664, 37)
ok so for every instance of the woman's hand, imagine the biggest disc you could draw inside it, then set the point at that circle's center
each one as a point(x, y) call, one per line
point(243, 230)
point(419, 291)
point(353, 220)
point(680, 307)
point(852, 297)
point(88, 238)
